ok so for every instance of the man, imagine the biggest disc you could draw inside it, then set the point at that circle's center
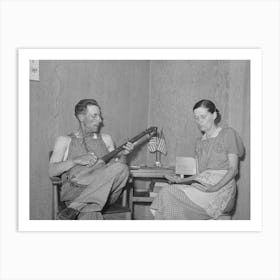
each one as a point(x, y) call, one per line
point(88, 184)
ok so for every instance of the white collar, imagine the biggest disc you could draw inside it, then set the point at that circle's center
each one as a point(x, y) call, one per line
point(204, 137)
point(94, 136)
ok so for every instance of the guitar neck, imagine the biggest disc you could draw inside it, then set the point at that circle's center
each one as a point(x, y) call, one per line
point(112, 154)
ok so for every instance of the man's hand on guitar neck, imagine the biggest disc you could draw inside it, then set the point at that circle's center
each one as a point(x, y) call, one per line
point(128, 148)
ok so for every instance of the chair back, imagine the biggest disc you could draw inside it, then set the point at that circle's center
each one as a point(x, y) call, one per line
point(57, 204)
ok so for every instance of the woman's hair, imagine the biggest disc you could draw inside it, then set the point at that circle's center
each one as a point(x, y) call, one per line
point(210, 106)
point(81, 106)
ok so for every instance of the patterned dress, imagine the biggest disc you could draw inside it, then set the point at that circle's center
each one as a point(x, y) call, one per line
point(184, 202)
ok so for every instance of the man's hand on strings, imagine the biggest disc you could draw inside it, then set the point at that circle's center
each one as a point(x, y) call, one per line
point(88, 159)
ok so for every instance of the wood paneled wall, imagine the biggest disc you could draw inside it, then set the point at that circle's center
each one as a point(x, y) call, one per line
point(133, 95)
point(239, 118)
point(177, 85)
point(120, 87)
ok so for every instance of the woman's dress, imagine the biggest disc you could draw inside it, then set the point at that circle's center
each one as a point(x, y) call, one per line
point(185, 202)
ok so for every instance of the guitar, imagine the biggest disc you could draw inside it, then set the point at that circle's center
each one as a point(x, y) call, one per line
point(85, 176)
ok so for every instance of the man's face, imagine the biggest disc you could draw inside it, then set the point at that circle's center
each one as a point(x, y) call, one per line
point(91, 119)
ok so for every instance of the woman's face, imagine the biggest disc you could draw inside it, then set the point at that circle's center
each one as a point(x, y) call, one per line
point(204, 119)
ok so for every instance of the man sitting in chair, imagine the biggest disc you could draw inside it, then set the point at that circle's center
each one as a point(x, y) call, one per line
point(88, 183)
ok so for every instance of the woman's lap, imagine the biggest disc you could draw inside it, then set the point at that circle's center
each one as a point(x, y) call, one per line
point(172, 204)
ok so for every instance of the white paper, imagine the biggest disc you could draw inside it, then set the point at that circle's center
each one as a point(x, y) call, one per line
point(34, 70)
point(185, 165)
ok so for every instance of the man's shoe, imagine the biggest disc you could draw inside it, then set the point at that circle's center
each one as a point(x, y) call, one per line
point(68, 214)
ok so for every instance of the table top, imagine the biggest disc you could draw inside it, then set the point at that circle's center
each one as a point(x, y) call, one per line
point(150, 171)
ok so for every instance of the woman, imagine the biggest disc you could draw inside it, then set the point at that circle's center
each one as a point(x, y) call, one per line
point(213, 193)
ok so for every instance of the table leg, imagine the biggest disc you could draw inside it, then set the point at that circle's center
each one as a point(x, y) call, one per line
point(131, 187)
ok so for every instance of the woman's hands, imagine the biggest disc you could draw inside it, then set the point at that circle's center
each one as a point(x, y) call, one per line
point(177, 180)
point(173, 179)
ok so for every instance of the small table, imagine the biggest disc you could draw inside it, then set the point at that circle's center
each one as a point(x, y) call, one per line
point(152, 174)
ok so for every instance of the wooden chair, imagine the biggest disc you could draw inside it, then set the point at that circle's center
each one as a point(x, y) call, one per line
point(117, 211)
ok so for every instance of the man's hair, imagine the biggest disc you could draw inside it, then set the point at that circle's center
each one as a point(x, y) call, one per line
point(81, 106)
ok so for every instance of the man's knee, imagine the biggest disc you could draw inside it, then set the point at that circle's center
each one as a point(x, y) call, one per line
point(124, 170)
point(119, 168)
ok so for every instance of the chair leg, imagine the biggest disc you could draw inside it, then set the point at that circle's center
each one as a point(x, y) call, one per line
point(124, 198)
point(55, 202)
point(130, 199)
point(128, 216)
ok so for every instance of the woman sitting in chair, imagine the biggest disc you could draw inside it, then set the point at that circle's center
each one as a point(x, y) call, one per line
point(210, 193)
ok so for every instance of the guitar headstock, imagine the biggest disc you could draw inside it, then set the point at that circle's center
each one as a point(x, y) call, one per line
point(152, 130)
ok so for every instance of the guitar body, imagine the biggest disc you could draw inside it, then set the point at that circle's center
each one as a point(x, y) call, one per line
point(86, 175)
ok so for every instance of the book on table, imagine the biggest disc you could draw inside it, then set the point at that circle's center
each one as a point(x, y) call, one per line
point(186, 166)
